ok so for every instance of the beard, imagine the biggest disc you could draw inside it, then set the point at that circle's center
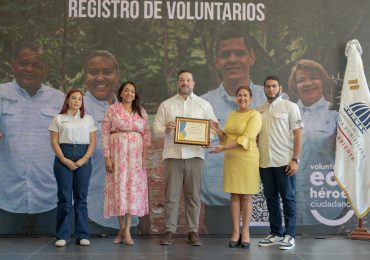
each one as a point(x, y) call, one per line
point(271, 99)
point(185, 91)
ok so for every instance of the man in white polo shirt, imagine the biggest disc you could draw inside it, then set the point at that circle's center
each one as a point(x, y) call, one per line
point(280, 141)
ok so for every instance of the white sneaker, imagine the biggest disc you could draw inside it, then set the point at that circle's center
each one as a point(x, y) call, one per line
point(60, 243)
point(270, 240)
point(287, 243)
point(84, 242)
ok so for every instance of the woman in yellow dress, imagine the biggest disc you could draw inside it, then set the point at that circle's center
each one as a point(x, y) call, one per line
point(241, 162)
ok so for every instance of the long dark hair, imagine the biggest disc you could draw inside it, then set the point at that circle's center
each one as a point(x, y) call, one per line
point(136, 107)
point(65, 104)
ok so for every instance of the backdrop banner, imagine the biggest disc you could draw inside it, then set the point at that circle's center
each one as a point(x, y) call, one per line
point(223, 43)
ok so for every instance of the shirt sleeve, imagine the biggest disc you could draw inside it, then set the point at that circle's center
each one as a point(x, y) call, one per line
point(54, 125)
point(159, 125)
point(105, 132)
point(251, 131)
point(146, 134)
point(295, 120)
point(93, 127)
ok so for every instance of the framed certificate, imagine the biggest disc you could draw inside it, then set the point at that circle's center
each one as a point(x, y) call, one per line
point(192, 131)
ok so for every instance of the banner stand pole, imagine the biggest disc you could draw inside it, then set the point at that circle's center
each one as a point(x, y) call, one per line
point(360, 232)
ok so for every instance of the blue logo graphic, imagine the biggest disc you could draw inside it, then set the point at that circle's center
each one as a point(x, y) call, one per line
point(360, 115)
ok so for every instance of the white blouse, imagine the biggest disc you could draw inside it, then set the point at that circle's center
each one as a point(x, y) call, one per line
point(73, 129)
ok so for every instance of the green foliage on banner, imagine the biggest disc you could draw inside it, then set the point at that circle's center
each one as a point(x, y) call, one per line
point(150, 52)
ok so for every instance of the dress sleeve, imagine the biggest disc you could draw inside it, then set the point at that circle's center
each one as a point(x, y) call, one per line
point(146, 134)
point(251, 131)
point(223, 142)
point(105, 132)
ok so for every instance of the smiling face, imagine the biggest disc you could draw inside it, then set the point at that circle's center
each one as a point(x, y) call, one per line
point(128, 93)
point(234, 59)
point(185, 84)
point(309, 86)
point(243, 99)
point(101, 77)
point(29, 69)
point(75, 101)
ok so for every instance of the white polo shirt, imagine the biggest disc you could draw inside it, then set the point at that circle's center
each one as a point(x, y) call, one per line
point(73, 129)
point(176, 106)
point(275, 141)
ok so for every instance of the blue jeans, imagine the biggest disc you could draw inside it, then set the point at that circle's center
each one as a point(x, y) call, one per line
point(276, 182)
point(76, 182)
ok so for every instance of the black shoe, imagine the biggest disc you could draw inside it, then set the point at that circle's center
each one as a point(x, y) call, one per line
point(245, 245)
point(234, 244)
point(167, 239)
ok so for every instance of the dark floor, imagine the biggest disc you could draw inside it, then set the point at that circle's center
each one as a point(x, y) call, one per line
point(214, 248)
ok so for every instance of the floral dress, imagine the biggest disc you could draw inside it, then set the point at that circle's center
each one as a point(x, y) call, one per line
point(124, 136)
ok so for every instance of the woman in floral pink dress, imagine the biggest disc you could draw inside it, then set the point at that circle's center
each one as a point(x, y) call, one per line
point(125, 135)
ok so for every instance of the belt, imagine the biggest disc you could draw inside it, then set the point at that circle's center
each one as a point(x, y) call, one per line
point(119, 132)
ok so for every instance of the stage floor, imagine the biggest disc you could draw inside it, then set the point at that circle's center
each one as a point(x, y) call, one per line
point(214, 248)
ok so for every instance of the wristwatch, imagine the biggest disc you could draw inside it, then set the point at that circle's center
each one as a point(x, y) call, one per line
point(296, 160)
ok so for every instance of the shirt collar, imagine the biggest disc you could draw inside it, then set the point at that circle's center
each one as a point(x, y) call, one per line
point(276, 101)
point(224, 94)
point(23, 91)
point(77, 116)
point(322, 102)
point(100, 102)
point(191, 96)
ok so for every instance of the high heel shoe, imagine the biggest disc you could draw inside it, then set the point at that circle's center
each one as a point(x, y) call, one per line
point(233, 244)
point(128, 242)
point(119, 238)
point(244, 245)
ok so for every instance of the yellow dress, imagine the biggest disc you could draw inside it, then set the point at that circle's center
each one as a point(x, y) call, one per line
point(241, 164)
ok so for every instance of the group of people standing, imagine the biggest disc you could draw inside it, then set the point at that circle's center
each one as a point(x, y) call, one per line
point(81, 158)
point(264, 142)
point(125, 136)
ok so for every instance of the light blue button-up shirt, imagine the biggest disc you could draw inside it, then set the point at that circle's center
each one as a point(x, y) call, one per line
point(317, 157)
point(212, 193)
point(95, 199)
point(26, 158)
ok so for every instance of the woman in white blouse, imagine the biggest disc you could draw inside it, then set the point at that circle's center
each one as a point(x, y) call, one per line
point(73, 139)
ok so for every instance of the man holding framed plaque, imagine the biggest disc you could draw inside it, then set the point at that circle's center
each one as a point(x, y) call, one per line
point(183, 122)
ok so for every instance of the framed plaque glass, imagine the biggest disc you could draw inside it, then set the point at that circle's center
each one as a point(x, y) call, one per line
point(192, 131)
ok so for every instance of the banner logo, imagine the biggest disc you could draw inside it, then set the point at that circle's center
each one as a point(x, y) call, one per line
point(360, 115)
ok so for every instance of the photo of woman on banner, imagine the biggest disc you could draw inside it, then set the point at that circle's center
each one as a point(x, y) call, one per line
point(101, 76)
point(317, 191)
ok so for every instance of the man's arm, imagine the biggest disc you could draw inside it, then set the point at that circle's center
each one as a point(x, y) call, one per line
point(159, 125)
point(297, 145)
point(293, 165)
